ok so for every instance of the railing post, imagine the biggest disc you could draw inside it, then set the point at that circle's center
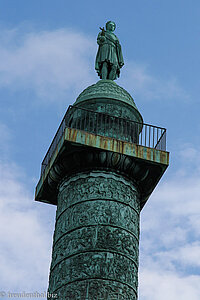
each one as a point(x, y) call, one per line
point(141, 136)
point(108, 125)
point(153, 136)
point(145, 134)
point(149, 136)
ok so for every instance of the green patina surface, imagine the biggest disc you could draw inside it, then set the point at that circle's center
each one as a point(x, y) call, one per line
point(100, 183)
point(107, 89)
point(109, 59)
point(108, 97)
point(101, 142)
point(95, 248)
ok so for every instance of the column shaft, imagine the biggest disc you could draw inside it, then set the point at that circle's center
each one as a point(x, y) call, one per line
point(96, 239)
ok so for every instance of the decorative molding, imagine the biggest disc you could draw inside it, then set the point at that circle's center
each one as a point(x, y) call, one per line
point(106, 89)
point(85, 158)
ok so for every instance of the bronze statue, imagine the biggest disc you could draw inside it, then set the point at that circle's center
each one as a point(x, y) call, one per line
point(109, 57)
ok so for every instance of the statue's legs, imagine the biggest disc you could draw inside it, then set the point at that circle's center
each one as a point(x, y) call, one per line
point(112, 74)
point(104, 70)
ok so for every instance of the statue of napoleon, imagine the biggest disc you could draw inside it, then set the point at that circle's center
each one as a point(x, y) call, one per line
point(109, 57)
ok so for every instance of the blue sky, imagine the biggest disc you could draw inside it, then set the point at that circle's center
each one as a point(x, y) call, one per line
point(47, 51)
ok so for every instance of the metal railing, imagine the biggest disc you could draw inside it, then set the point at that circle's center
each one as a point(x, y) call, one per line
point(109, 126)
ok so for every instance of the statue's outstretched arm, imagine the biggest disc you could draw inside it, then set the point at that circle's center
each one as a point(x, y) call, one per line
point(100, 39)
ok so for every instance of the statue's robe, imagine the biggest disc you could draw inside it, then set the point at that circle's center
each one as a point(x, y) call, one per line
point(109, 51)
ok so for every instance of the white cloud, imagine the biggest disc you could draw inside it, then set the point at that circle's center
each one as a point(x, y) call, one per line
point(170, 248)
point(170, 234)
point(186, 255)
point(139, 80)
point(170, 213)
point(166, 285)
point(51, 63)
point(25, 240)
point(25, 230)
point(56, 64)
point(25, 237)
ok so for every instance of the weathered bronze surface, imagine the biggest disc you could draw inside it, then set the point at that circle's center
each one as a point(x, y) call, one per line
point(109, 57)
point(79, 150)
point(100, 182)
point(96, 239)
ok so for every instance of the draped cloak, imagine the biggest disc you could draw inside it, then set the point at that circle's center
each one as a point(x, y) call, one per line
point(109, 51)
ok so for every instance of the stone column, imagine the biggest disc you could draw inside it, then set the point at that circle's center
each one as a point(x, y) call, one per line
point(96, 239)
point(100, 173)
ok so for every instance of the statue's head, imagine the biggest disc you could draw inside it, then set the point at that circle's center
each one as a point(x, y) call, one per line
point(110, 26)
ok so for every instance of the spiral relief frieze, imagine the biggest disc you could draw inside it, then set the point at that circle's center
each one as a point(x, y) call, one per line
point(98, 289)
point(96, 237)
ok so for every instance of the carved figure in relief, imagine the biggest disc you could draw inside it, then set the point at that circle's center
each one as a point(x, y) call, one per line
point(96, 188)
